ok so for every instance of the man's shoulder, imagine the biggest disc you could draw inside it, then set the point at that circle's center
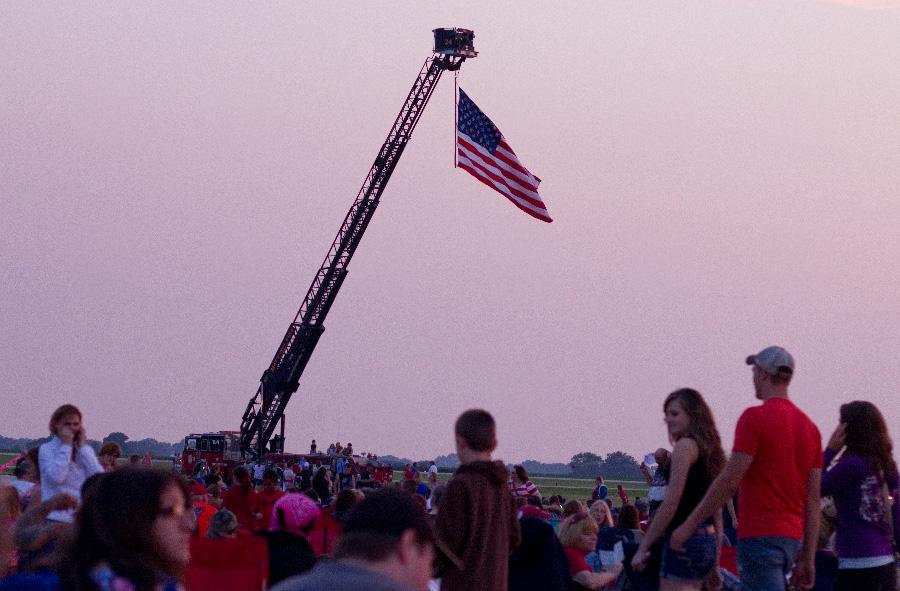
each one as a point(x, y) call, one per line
point(336, 575)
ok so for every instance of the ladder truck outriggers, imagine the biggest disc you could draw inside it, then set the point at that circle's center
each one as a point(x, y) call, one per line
point(281, 379)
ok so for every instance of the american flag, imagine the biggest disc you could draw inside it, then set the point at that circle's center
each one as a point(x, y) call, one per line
point(483, 152)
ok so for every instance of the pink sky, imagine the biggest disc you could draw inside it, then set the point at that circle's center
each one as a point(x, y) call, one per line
point(722, 176)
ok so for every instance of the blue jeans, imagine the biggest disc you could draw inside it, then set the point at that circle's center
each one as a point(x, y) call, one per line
point(765, 562)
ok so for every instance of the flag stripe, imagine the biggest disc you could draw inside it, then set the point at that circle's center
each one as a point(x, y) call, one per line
point(526, 183)
point(491, 172)
point(474, 172)
point(505, 152)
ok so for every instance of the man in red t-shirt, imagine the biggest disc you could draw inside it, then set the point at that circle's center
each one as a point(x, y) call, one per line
point(265, 499)
point(241, 500)
point(777, 461)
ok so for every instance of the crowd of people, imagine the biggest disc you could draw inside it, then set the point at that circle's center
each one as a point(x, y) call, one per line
point(76, 520)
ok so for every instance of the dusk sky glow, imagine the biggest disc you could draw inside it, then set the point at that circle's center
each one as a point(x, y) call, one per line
point(722, 176)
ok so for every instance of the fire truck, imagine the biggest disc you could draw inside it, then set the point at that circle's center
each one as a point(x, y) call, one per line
point(204, 451)
point(279, 381)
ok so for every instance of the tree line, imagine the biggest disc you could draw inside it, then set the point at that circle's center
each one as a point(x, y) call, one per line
point(157, 449)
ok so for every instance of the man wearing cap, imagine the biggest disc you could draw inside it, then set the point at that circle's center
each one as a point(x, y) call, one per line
point(386, 545)
point(776, 461)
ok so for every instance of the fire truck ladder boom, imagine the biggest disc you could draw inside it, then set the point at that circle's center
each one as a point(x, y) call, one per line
point(281, 379)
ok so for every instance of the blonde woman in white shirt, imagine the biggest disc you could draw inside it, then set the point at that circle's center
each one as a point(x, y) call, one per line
point(66, 461)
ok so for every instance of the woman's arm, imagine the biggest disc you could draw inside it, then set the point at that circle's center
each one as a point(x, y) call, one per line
point(646, 472)
point(597, 580)
point(684, 455)
point(88, 459)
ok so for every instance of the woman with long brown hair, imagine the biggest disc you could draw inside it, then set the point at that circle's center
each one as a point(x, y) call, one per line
point(697, 458)
point(862, 484)
point(132, 532)
point(66, 461)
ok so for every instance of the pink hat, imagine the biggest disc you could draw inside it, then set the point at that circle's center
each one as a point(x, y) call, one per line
point(298, 511)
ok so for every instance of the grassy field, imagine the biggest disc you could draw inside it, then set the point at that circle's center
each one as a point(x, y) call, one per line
point(570, 488)
point(5, 458)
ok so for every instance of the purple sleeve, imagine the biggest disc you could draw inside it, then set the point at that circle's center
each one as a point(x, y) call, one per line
point(894, 485)
point(848, 472)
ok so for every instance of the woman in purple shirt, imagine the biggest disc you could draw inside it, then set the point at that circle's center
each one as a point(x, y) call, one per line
point(862, 484)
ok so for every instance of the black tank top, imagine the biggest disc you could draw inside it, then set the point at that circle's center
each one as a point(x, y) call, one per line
point(698, 481)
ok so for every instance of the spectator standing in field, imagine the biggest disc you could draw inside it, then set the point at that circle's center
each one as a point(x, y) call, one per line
point(109, 455)
point(240, 499)
point(66, 461)
point(259, 470)
point(386, 545)
point(776, 460)
point(659, 481)
point(697, 458)
point(522, 487)
point(477, 521)
point(408, 472)
point(623, 496)
point(132, 532)
point(600, 491)
point(321, 483)
point(289, 477)
point(312, 448)
point(432, 474)
point(347, 480)
point(266, 498)
point(305, 477)
point(862, 484)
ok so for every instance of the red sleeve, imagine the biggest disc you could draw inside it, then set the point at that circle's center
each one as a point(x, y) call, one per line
point(745, 436)
point(815, 448)
point(576, 561)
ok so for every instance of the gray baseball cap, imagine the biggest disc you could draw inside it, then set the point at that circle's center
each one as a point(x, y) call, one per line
point(773, 361)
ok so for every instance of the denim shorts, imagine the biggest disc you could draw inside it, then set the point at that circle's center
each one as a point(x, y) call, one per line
point(697, 560)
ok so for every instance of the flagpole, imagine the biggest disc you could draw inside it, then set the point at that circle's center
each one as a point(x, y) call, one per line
point(455, 115)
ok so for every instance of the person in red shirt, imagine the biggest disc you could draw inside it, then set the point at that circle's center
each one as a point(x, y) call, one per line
point(265, 499)
point(202, 509)
point(623, 496)
point(777, 462)
point(578, 535)
point(241, 500)
point(408, 472)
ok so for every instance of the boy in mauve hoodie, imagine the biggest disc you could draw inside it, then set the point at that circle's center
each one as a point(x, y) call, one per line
point(477, 519)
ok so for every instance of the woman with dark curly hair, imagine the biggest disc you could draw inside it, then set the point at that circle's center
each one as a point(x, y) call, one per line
point(862, 484)
point(132, 532)
point(697, 458)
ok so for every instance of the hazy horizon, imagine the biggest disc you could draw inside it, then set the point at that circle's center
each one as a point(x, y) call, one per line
point(722, 177)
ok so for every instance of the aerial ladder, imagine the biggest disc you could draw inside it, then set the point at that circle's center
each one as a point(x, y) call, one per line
point(281, 379)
